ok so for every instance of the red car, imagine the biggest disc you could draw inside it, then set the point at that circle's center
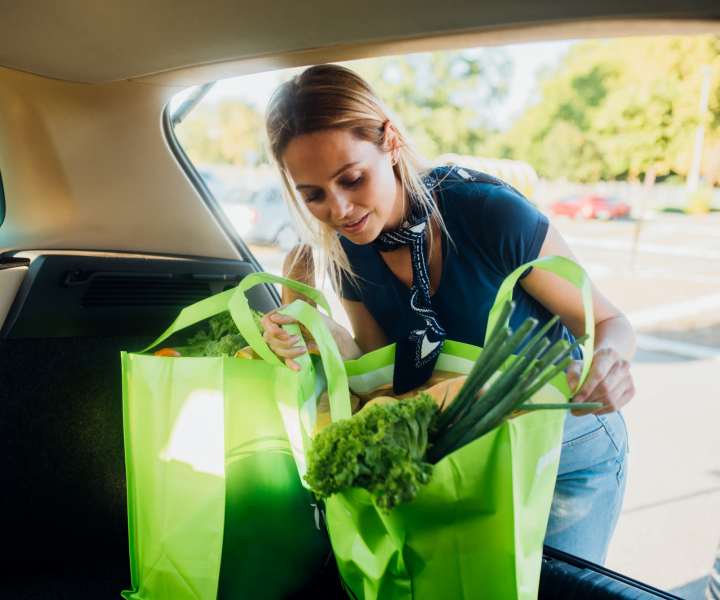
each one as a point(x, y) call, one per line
point(591, 206)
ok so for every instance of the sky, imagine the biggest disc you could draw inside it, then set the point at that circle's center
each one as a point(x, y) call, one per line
point(527, 59)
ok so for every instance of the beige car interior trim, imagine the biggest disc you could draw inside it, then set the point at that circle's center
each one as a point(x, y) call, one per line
point(97, 42)
point(10, 281)
point(88, 167)
point(200, 74)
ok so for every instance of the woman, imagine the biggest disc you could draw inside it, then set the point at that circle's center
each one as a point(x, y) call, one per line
point(418, 255)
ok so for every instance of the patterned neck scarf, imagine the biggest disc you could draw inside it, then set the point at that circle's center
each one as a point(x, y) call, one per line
point(415, 356)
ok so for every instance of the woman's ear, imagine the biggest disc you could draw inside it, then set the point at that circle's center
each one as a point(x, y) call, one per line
point(391, 141)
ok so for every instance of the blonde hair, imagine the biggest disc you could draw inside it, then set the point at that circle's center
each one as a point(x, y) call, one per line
point(334, 97)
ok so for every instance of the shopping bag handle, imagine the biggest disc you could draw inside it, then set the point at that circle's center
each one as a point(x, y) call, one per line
point(310, 317)
point(219, 303)
point(568, 270)
point(333, 365)
point(242, 314)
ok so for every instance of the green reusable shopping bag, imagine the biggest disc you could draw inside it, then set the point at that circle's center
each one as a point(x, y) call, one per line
point(476, 530)
point(215, 504)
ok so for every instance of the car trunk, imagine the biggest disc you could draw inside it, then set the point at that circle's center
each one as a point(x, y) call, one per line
point(63, 481)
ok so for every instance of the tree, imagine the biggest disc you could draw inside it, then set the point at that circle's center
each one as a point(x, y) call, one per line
point(230, 131)
point(615, 109)
point(444, 99)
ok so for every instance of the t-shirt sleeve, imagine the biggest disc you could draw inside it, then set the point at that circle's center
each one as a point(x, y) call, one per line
point(512, 230)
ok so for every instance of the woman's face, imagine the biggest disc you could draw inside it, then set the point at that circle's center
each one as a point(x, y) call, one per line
point(347, 183)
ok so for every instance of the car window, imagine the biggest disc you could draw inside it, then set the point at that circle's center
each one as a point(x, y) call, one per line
point(275, 197)
point(610, 139)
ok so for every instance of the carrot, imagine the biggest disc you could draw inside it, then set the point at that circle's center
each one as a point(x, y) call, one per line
point(247, 352)
point(166, 352)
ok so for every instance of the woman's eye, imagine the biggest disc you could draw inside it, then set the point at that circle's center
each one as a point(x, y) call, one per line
point(353, 182)
point(315, 197)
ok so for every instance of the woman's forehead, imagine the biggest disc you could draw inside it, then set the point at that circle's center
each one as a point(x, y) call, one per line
point(314, 158)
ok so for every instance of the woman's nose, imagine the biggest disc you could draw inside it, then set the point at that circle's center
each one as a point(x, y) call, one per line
point(340, 207)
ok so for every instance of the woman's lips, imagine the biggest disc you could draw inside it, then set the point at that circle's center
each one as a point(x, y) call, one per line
point(357, 226)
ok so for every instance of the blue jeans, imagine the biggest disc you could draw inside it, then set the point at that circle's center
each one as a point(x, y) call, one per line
point(589, 487)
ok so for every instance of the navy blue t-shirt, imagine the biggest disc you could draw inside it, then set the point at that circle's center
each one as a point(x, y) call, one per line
point(494, 230)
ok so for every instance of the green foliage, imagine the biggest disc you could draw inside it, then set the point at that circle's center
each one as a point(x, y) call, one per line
point(443, 99)
point(219, 337)
point(612, 109)
point(615, 109)
point(381, 449)
point(229, 132)
point(227, 345)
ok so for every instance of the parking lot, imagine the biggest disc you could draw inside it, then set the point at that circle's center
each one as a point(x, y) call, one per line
point(667, 280)
point(665, 276)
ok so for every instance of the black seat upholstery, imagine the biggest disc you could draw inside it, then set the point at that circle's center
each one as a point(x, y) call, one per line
point(64, 515)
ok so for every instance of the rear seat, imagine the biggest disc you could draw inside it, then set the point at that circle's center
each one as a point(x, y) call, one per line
point(64, 516)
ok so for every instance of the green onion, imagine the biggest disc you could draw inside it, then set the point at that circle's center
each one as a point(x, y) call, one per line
point(480, 405)
point(530, 406)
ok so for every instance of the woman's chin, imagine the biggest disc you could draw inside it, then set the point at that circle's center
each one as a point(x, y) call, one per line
point(365, 235)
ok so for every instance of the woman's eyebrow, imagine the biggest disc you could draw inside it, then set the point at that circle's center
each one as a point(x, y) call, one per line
point(333, 176)
point(341, 169)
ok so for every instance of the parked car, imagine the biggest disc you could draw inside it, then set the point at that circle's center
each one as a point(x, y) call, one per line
point(591, 206)
point(262, 217)
point(216, 185)
point(108, 234)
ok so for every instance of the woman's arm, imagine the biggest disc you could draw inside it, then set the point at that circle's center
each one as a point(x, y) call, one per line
point(368, 334)
point(609, 381)
point(299, 266)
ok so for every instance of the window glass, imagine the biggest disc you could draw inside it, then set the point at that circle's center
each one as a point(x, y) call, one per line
point(617, 141)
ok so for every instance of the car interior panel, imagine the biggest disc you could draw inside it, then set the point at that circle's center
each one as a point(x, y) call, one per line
point(11, 278)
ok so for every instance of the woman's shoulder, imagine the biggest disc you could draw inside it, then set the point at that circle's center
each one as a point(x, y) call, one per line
point(473, 194)
point(454, 176)
point(490, 215)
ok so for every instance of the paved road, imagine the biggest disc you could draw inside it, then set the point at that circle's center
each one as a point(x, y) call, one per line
point(665, 276)
point(670, 289)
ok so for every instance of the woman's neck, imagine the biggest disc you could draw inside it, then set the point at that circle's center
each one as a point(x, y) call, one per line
point(401, 209)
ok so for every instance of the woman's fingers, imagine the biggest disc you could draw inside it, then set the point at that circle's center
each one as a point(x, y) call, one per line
point(627, 395)
point(280, 335)
point(271, 324)
point(573, 374)
point(281, 319)
point(285, 342)
point(280, 341)
point(609, 382)
point(291, 352)
point(617, 397)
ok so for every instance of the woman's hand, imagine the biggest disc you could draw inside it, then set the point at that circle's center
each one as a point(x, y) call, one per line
point(609, 381)
point(287, 346)
point(283, 344)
